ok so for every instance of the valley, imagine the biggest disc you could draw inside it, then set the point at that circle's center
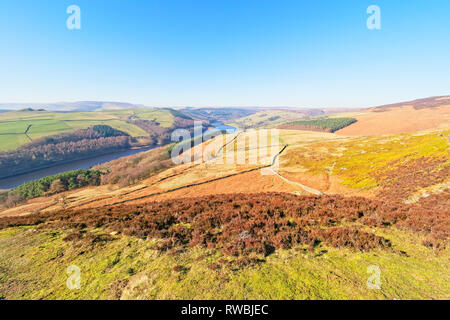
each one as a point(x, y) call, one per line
point(210, 158)
point(64, 137)
point(303, 217)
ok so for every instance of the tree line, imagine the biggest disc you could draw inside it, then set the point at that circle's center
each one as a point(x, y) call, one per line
point(323, 124)
point(51, 185)
point(55, 149)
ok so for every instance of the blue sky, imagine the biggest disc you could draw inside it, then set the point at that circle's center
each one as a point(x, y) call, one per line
point(298, 53)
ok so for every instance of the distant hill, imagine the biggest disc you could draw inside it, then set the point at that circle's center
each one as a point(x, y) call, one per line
point(426, 103)
point(273, 117)
point(224, 114)
point(404, 117)
point(78, 106)
point(31, 110)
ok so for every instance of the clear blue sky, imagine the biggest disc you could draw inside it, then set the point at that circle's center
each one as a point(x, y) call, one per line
point(224, 52)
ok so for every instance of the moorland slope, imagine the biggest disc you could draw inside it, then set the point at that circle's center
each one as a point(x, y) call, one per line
point(335, 207)
point(407, 117)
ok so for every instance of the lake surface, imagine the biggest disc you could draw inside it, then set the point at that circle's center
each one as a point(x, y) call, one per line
point(15, 181)
point(219, 126)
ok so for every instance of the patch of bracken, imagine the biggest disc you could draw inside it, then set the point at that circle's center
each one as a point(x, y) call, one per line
point(348, 237)
point(404, 179)
point(242, 225)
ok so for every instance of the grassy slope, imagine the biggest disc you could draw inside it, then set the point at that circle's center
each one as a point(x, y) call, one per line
point(33, 266)
point(358, 161)
point(267, 119)
point(164, 117)
point(13, 124)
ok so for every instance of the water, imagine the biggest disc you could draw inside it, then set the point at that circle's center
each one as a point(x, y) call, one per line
point(15, 181)
point(219, 126)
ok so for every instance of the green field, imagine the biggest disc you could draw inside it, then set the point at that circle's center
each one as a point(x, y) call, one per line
point(163, 116)
point(13, 124)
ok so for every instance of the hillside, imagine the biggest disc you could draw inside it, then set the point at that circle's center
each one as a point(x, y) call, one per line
point(40, 124)
point(272, 117)
point(243, 240)
point(407, 117)
point(269, 246)
point(326, 162)
point(426, 103)
point(308, 229)
point(215, 114)
point(52, 150)
point(77, 106)
point(36, 139)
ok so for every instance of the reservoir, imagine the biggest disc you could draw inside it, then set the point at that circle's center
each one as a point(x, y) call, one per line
point(12, 182)
point(219, 126)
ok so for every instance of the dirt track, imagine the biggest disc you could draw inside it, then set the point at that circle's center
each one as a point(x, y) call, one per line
point(203, 182)
point(306, 188)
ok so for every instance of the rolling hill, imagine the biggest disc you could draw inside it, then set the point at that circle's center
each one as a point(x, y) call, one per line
point(43, 123)
point(268, 118)
point(337, 205)
point(78, 106)
point(406, 117)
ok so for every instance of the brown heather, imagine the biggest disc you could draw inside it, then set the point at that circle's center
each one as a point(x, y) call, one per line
point(245, 224)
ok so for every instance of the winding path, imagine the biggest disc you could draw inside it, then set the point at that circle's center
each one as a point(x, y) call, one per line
point(270, 167)
point(306, 188)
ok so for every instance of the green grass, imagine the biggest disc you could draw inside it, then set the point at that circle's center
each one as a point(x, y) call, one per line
point(358, 161)
point(12, 141)
point(132, 130)
point(42, 128)
point(163, 116)
point(12, 133)
point(33, 266)
point(14, 124)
